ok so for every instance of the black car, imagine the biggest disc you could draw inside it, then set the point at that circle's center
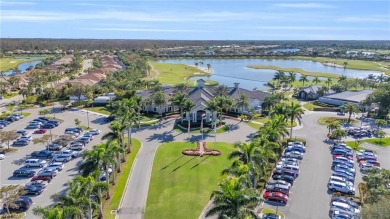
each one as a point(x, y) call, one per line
point(109, 119)
point(54, 122)
point(42, 154)
point(21, 204)
point(287, 178)
point(11, 119)
point(78, 130)
point(20, 143)
point(33, 190)
point(23, 172)
point(47, 126)
point(43, 118)
point(22, 132)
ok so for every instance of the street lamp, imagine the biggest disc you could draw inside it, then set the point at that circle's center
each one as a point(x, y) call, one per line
point(201, 126)
point(88, 118)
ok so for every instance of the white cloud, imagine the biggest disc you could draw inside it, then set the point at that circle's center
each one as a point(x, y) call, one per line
point(141, 29)
point(7, 3)
point(303, 5)
point(364, 19)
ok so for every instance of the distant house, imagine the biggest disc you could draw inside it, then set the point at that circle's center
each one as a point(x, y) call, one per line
point(200, 95)
point(311, 92)
point(348, 97)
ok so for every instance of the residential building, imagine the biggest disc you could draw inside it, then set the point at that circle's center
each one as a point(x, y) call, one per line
point(348, 97)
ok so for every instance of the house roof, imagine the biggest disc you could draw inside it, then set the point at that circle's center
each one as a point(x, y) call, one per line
point(351, 96)
point(311, 89)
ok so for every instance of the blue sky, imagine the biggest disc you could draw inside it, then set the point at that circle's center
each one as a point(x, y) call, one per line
point(196, 20)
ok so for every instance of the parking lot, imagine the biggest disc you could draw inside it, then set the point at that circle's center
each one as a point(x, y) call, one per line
point(16, 160)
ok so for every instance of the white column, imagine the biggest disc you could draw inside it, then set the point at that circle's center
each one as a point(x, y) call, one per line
point(194, 116)
point(207, 116)
point(187, 116)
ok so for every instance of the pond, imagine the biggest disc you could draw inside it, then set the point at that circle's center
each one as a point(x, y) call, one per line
point(23, 67)
point(229, 71)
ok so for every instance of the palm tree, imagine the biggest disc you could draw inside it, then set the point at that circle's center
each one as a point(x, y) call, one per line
point(233, 200)
point(57, 212)
point(350, 109)
point(182, 87)
point(224, 103)
point(243, 102)
point(295, 112)
point(116, 134)
point(303, 79)
point(138, 104)
point(221, 90)
point(280, 109)
point(316, 80)
point(381, 78)
point(208, 66)
point(67, 200)
point(188, 106)
point(92, 161)
point(342, 78)
point(279, 74)
point(274, 129)
point(212, 106)
point(292, 77)
point(159, 100)
point(179, 99)
point(329, 82)
point(333, 126)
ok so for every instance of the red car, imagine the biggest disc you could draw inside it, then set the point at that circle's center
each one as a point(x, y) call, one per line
point(40, 131)
point(275, 197)
point(44, 178)
point(339, 155)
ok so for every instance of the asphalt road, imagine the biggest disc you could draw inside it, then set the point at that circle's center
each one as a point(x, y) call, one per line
point(15, 160)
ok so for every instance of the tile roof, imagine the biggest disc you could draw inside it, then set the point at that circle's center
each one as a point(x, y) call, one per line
point(351, 96)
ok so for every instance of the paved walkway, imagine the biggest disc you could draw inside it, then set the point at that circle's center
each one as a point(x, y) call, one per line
point(134, 200)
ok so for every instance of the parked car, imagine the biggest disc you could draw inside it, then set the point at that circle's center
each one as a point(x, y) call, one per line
point(20, 143)
point(275, 197)
point(271, 216)
point(337, 214)
point(21, 204)
point(33, 126)
point(94, 131)
point(339, 206)
point(287, 178)
point(2, 156)
point(43, 118)
point(62, 158)
point(44, 178)
point(42, 154)
point(367, 166)
point(54, 147)
point(22, 132)
point(38, 183)
point(109, 119)
point(58, 165)
point(338, 162)
point(349, 157)
point(278, 188)
point(24, 172)
point(69, 131)
point(294, 154)
point(343, 159)
point(279, 182)
point(76, 147)
point(40, 131)
point(366, 157)
point(54, 122)
point(350, 178)
point(48, 126)
point(48, 172)
point(341, 187)
point(340, 179)
point(341, 167)
point(373, 162)
point(88, 135)
point(291, 148)
point(344, 200)
point(35, 163)
point(26, 137)
point(33, 190)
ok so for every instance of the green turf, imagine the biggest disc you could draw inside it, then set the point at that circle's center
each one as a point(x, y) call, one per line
point(99, 109)
point(181, 186)
point(176, 73)
point(10, 62)
point(262, 120)
point(328, 120)
point(118, 190)
point(254, 125)
point(273, 211)
point(10, 95)
point(376, 141)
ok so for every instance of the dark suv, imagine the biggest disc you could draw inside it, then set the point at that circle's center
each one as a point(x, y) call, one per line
point(24, 172)
point(21, 204)
point(42, 154)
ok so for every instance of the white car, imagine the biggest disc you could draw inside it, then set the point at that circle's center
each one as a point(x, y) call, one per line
point(344, 167)
point(35, 163)
point(282, 164)
point(367, 166)
point(94, 131)
point(340, 179)
point(2, 156)
point(339, 206)
point(76, 147)
point(294, 154)
point(58, 165)
point(88, 135)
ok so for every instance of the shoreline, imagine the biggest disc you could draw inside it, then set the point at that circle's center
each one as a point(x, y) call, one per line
point(297, 70)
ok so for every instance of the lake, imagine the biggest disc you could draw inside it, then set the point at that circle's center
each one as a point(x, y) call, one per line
point(229, 71)
point(23, 67)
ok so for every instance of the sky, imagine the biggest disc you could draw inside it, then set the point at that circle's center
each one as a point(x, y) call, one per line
point(196, 20)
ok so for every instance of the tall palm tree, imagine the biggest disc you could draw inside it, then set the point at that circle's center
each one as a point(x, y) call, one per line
point(303, 79)
point(350, 109)
point(92, 161)
point(129, 116)
point(279, 74)
point(138, 104)
point(333, 126)
point(292, 77)
point(221, 90)
point(280, 109)
point(329, 82)
point(212, 106)
point(182, 87)
point(159, 100)
point(274, 129)
point(57, 212)
point(316, 80)
point(243, 102)
point(188, 106)
point(67, 200)
point(116, 134)
point(381, 78)
point(342, 78)
point(179, 100)
point(233, 200)
point(295, 112)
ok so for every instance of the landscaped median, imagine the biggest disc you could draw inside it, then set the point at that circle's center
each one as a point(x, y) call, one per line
point(330, 120)
point(180, 186)
point(384, 142)
point(118, 190)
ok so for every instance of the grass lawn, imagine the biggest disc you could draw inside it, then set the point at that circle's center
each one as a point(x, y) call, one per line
point(193, 83)
point(254, 125)
point(26, 114)
point(385, 142)
point(354, 64)
point(99, 109)
point(8, 150)
point(262, 120)
point(11, 62)
point(176, 73)
point(272, 211)
point(181, 186)
point(10, 95)
point(118, 190)
point(328, 120)
point(297, 70)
